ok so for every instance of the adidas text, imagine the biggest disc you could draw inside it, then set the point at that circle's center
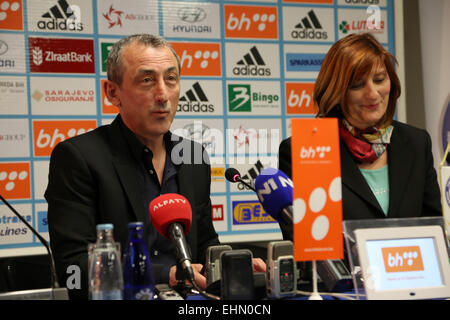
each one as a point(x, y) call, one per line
point(195, 107)
point(251, 71)
point(309, 34)
point(54, 24)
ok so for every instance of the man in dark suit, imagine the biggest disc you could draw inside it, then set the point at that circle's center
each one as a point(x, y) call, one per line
point(111, 174)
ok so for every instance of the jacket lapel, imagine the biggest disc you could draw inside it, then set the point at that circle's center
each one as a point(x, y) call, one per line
point(123, 162)
point(354, 180)
point(399, 155)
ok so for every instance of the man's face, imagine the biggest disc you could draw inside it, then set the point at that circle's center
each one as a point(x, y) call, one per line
point(148, 95)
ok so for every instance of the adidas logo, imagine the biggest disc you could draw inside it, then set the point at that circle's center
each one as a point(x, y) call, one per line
point(195, 100)
point(251, 64)
point(310, 28)
point(62, 17)
point(251, 175)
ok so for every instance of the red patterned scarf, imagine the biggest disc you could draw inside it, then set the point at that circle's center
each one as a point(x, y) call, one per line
point(367, 145)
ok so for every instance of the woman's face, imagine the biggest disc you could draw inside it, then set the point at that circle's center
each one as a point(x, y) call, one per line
point(368, 98)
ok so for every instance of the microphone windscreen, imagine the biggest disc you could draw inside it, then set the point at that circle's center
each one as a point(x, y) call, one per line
point(274, 190)
point(170, 208)
point(232, 174)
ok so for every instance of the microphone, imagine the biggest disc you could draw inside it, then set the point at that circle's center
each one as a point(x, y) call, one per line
point(59, 293)
point(233, 176)
point(275, 192)
point(171, 214)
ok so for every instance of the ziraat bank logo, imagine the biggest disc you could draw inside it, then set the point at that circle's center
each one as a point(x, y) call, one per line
point(300, 98)
point(198, 58)
point(250, 212)
point(58, 55)
point(62, 16)
point(11, 15)
point(251, 22)
point(402, 259)
point(47, 134)
point(15, 180)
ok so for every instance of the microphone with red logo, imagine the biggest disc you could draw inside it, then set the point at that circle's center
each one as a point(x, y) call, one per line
point(171, 214)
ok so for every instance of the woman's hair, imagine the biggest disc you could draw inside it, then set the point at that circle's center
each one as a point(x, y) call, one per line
point(348, 60)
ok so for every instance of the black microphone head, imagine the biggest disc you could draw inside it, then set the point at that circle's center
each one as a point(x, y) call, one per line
point(232, 175)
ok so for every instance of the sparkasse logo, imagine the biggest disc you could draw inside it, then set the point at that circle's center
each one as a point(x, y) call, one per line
point(59, 55)
point(251, 22)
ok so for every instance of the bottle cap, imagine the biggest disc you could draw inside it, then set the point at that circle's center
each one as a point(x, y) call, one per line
point(137, 224)
point(105, 226)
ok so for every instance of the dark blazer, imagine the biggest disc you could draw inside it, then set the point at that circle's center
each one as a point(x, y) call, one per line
point(93, 179)
point(413, 186)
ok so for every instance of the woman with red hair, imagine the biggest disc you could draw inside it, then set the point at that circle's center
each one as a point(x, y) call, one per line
point(386, 166)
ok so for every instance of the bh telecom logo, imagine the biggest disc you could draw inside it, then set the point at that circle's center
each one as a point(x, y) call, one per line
point(317, 200)
point(47, 134)
point(198, 59)
point(11, 15)
point(15, 180)
point(300, 98)
point(251, 22)
point(250, 212)
point(402, 259)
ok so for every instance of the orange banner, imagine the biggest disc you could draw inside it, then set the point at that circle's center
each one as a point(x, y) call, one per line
point(316, 173)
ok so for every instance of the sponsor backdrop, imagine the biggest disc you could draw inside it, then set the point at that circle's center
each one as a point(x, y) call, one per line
point(248, 68)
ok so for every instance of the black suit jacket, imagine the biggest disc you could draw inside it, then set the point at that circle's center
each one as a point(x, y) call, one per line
point(413, 186)
point(93, 180)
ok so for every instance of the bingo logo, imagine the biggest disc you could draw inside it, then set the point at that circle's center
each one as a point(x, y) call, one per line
point(250, 212)
point(15, 180)
point(402, 259)
point(47, 134)
point(198, 59)
point(251, 22)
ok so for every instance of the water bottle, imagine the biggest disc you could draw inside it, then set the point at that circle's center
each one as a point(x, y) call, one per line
point(105, 268)
point(137, 268)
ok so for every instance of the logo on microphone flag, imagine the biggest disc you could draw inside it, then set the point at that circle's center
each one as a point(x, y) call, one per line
point(316, 173)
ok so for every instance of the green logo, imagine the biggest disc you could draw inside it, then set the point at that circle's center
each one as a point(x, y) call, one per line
point(239, 98)
point(105, 48)
point(344, 27)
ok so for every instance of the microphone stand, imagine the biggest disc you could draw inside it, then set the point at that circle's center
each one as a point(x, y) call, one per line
point(54, 282)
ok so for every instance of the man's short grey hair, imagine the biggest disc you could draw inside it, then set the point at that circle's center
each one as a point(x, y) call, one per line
point(114, 66)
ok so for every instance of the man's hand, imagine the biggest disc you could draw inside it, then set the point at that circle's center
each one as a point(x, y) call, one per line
point(199, 279)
